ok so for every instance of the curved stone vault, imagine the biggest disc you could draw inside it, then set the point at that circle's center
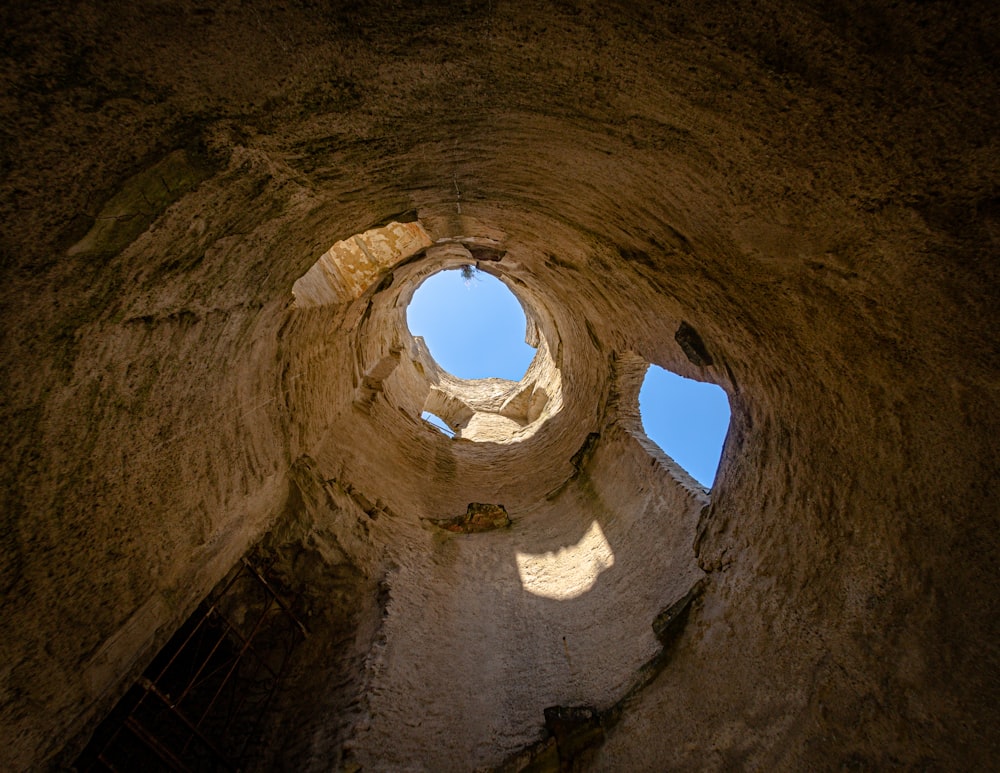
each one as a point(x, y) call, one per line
point(213, 218)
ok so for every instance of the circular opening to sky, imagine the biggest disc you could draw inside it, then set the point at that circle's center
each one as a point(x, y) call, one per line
point(472, 324)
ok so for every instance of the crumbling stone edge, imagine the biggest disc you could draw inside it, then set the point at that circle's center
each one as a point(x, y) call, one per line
point(573, 733)
point(477, 518)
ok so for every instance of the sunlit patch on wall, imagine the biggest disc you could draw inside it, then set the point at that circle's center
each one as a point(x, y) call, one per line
point(687, 419)
point(567, 573)
point(351, 266)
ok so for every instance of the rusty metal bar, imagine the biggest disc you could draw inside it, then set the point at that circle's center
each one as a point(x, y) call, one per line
point(244, 640)
point(161, 751)
point(282, 604)
point(105, 762)
point(275, 680)
point(236, 662)
point(194, 630)
point(267, 701)
point(222, 637)
point(188, 724)
point(100, 755)
point(249, 685)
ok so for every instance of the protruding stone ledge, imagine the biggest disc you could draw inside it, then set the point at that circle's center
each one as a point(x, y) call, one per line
point(478, 518)
point(353, 265)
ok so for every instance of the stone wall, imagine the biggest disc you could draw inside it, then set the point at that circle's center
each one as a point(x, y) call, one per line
point(809, 187)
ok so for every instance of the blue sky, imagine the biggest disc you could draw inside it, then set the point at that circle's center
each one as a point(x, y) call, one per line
point(475, 329)
point(687, 419)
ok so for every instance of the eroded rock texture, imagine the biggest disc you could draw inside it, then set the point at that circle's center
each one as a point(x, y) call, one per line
point(796, 201)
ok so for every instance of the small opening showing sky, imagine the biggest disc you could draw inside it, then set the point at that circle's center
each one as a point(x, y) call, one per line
point(688, 419)
point(474, 328)
point(436, 421)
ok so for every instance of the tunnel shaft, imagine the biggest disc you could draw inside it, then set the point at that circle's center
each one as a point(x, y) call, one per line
point(796, 202)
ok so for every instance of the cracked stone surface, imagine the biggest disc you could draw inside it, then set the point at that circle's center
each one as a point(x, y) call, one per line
point(795, 201)
point(478, 517)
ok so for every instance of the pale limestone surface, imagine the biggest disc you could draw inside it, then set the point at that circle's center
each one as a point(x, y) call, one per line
point(811, 187)
point(350, 266)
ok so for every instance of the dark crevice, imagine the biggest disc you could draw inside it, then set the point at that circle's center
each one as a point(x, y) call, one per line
point(573, 734)
point(692, 345)
point(579, 461)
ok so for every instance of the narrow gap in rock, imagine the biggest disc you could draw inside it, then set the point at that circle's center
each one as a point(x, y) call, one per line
point(437, 422)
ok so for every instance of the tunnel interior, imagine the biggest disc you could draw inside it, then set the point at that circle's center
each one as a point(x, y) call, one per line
point(214, 219)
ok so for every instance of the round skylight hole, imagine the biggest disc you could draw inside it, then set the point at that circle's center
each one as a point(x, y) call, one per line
point(473, 326)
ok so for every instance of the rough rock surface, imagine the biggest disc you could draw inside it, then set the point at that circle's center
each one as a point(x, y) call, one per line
point(478, 517)
point(796, 201)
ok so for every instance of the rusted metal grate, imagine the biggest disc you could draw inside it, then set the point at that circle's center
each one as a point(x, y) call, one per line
point(200, 704)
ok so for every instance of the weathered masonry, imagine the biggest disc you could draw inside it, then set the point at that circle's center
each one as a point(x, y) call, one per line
point(230, 541)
